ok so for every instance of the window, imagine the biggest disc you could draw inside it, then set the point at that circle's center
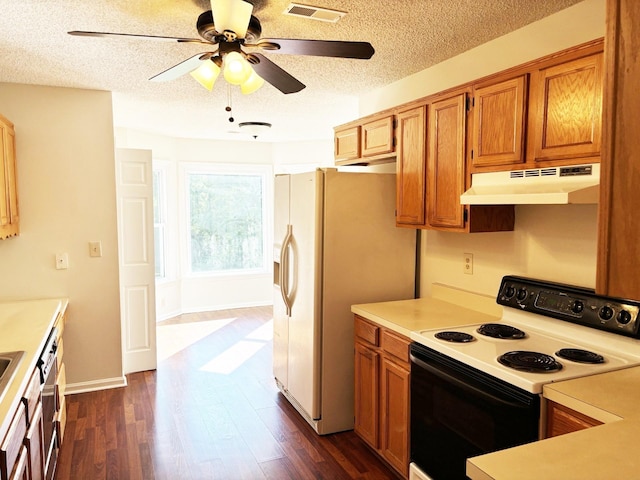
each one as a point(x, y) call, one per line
point(226, 221)
point(159, 221)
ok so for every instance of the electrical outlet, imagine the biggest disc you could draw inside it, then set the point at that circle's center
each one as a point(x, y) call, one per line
point(468, 263)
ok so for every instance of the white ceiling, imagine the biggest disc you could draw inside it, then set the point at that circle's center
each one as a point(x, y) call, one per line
point(408, 36)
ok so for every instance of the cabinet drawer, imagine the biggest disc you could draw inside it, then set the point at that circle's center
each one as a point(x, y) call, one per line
point(11, 445)
point(32, 395)
point(60, 353)
point(395, 345)
point(366, 331)
point(60, 420)
point(61, 384)
point(59, 324)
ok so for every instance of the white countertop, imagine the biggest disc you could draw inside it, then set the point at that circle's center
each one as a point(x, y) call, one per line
point(24, 325)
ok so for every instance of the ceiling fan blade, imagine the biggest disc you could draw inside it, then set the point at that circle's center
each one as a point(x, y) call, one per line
point(79, 33)
point(182, 68)
point(321, 48)
point(233, 15)
point(276, 76)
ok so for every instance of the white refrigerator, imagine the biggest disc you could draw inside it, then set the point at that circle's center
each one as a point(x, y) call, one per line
point(336, 244)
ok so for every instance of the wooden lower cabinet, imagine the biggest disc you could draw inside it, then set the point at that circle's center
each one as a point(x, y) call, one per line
point(382, 375)
point(561, 420)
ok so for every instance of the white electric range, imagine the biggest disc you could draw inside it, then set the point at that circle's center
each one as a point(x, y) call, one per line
point(477, 388)
point(584, 344)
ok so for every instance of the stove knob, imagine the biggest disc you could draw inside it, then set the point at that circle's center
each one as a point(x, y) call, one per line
point(606, 313)
point(577, 307)
point(510, 291)
point(521, 294)
point(623, 317)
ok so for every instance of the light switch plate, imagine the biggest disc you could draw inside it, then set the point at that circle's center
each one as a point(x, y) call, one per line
point(95, 249)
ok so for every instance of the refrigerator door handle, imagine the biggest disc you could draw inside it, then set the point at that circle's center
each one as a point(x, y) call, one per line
point(284, 269)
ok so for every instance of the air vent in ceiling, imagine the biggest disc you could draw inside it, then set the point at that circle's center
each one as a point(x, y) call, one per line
point(315, 13)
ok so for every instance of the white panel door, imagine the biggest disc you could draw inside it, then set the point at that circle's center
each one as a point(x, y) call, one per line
point(304, 335)
point(134, 176)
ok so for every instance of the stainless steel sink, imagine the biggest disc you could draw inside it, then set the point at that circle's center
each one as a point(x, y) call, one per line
point(9, 363)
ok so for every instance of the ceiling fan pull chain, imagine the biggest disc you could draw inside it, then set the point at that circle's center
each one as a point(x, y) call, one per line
point(228, 107)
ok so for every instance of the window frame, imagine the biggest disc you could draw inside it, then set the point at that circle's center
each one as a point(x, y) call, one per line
point(266, 174)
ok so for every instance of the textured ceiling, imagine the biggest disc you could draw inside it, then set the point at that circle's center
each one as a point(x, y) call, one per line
point(408, 36)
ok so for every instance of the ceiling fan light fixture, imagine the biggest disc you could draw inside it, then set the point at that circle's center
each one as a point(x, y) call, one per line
point(252, 84)
point(206, 74)
point(236, 69)
point(255, 128)
point(231, 15)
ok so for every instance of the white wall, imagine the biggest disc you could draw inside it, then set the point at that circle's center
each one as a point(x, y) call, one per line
point(66, 188)
point(182, 292)
point(549, 242)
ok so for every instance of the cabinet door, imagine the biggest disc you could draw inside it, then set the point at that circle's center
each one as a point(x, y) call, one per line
point(568, 116)
point(11, 446)
point(367, 370)
point(618, 222)
point(34, 441)
point(446, 162)
point(561, 420)
point(498, 123)
point(394, 422)
point(410, 167)
point(347, 143)
point(5, 139)
point(377, 137)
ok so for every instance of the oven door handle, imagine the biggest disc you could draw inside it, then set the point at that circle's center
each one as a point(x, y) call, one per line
point(452, 379)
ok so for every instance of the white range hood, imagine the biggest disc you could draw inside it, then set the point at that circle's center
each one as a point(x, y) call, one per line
point(553, 185)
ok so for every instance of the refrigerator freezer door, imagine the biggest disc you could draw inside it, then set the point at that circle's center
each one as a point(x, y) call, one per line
point(280, 317)
point(304, 328)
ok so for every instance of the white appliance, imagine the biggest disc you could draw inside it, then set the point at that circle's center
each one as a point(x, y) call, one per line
point(336, 244)
point(536, 186)
point(477, 388)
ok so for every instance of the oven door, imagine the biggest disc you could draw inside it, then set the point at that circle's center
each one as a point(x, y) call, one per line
point(458, 412)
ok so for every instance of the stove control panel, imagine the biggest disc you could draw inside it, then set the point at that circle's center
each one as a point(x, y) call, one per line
point(572, 304)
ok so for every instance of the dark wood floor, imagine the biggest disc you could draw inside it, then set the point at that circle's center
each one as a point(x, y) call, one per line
point(185, 421)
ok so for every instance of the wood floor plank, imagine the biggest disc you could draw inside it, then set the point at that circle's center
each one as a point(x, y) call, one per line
point(187, 421)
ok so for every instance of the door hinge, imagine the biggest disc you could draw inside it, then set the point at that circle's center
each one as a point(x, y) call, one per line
point(465, 215)
point(468, 107)
point(472, 154)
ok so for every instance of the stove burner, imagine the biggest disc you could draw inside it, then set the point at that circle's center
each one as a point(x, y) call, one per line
point(534, 362)
point(499, 330)
point(580, 356)
point(455, 337)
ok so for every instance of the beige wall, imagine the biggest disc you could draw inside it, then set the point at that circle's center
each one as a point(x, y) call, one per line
point(549, 242)
point(66, 187)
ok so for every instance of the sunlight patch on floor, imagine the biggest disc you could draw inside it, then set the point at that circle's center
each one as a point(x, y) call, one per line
point(171, 339)
point(264, 333)
point(233, 357)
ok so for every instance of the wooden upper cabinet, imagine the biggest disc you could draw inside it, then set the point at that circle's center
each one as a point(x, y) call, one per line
point(499, 119)
point(618, 221)
point(9, 215)
point(377, 137)
point(411, 167)
point(567, 120)
point(347, 143)
point(446, 162)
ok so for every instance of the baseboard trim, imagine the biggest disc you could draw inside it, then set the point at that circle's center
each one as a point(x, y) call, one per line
point(95, 385)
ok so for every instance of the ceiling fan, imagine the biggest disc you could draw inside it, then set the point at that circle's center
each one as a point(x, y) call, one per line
point(231, 27)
